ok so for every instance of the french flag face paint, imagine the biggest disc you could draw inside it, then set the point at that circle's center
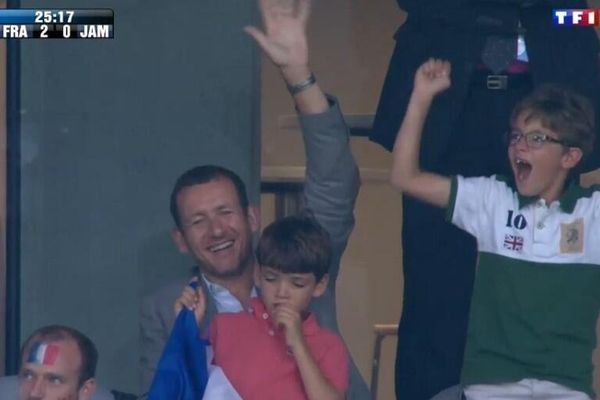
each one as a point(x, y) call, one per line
point(43, 353)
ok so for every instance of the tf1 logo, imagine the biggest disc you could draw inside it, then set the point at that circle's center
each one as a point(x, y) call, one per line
point(586, 17)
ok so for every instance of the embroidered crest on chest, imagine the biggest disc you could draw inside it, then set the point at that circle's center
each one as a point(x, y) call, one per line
point(571, 237)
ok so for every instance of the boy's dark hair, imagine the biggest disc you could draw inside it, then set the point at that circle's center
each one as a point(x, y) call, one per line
point(295, 244)
point(204, 174)
point(87, 349)
point(562, 110)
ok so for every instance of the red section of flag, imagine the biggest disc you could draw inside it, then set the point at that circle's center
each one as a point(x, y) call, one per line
point(51, 354)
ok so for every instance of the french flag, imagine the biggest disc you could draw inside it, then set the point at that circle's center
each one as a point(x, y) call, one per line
point(43, 353)
point(181, 373)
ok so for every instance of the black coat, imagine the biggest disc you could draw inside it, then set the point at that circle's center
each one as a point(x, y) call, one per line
point(456, 30)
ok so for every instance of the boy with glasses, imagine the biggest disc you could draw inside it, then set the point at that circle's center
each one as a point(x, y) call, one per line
point(534, 140)
point(536, 300)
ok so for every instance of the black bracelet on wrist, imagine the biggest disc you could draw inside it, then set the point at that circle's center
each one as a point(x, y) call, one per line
point(302, 86)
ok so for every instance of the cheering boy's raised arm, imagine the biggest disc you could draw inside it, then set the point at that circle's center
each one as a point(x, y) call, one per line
point(431, 78)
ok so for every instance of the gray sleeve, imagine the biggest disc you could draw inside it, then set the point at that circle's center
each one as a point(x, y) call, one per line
point(156, 321)
point(153, 336)
point(330, 191)
point(332, 178)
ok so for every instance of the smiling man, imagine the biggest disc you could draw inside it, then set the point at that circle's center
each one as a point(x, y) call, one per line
point(214, 221)
point(57, 363)
point(215, 227)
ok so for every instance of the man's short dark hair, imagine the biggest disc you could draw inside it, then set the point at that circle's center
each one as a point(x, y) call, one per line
point(87, 349)
point(563, 111)
point(204, 174)
point(295, 244)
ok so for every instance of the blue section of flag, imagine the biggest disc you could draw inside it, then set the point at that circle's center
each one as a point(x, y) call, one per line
point(181, 373)
point(34, 353)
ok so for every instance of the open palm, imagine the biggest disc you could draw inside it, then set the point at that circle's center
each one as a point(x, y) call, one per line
point(284, 37)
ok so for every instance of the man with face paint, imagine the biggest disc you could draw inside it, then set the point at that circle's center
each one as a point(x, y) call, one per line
point(57, 363)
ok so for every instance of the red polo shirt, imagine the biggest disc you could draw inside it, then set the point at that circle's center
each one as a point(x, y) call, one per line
point(255, 358)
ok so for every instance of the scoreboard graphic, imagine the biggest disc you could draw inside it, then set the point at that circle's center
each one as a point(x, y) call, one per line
point(57, 23)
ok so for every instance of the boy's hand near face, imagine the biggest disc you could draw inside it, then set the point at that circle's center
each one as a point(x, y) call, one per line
point(316, 385)
point(290, 321)
point(192, 299)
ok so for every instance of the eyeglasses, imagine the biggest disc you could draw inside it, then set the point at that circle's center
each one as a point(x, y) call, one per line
point(534, 140)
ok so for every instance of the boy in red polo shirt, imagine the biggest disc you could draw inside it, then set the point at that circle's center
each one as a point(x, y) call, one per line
point(276, 349)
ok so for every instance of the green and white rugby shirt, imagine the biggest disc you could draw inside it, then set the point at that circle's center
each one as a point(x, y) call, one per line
point(537, 289)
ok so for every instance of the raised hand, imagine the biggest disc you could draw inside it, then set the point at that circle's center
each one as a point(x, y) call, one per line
point(192, 299)
point(284, 36)
point(432, 77)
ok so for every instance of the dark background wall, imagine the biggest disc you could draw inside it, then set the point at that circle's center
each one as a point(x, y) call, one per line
point(107, 126)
